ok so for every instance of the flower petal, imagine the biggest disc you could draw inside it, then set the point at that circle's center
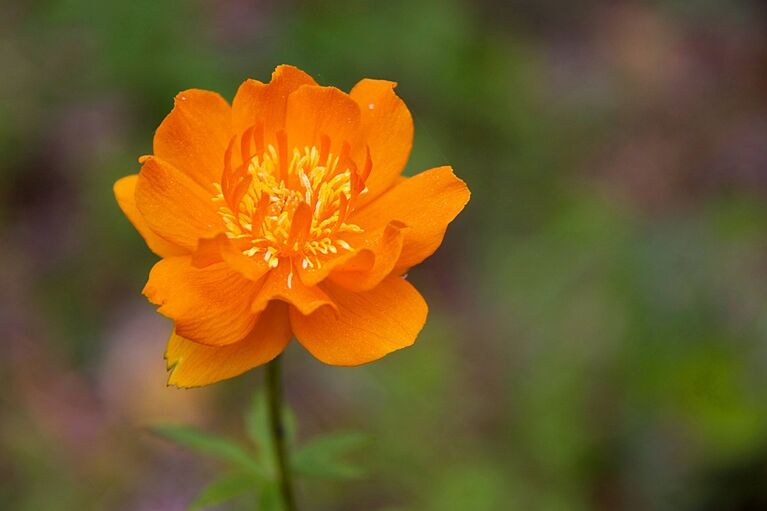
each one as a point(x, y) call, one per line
point(192, 364)
point(214, 250)
point(388, 130)
point(125, 191)
point(194, 135)
point(426, 203)
point(372, 264)
point(210, 305)
point(313, 276)
point(267, 103)
point(314, 111)
point(367, 326)
point(174, 206)
point(282, 284)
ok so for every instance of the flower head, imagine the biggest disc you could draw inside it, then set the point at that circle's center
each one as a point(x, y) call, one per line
point(285, 215)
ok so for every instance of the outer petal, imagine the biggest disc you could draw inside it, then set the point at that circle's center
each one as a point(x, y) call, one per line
point(316, 111)
point(192, 364)
point(125, 190)
point(210, 305)
point(283, 284)
point(194, 136)
point(426, 203)
point(175, 207)
point(368, 325)
point(267, 103)
point(371, 265)
point(388, 130)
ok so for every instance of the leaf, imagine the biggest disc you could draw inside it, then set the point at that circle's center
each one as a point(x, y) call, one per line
point(269, 500)
point(259, 429)
point(211, 445)
point(257, 425)
point(221, 490)
point(319, 457)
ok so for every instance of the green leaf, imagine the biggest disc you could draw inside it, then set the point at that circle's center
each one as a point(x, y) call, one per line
point(270, 499)
point(221, 490)
point(259, 429)
point(320, 457)
point(257, 425)
point(210, 445)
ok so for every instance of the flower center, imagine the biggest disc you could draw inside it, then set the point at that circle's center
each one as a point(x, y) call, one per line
point(297, 208)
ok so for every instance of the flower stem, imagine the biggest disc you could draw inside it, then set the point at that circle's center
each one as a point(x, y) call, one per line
point(277, 427)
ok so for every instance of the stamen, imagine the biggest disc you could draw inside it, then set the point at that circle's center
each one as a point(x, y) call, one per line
point(289, 207)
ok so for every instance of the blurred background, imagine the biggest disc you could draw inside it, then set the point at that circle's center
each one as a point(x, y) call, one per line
point(597, 337)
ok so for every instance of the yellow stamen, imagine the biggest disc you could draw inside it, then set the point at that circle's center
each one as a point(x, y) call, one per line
point(269, 227)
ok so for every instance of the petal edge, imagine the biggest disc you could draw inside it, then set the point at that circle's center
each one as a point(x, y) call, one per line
point(192, 365)
point(368, 325)
point(426, 203)
point(125, 193)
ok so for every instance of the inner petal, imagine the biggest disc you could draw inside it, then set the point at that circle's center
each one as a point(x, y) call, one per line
point(289, 205)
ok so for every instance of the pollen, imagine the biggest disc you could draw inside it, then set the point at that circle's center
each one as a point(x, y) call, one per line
point(283, 206)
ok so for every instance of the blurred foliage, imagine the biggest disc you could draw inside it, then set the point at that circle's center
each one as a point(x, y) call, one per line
point(255, 471)
point(597, 329)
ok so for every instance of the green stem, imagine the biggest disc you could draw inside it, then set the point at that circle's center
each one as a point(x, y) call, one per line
point(277, 427)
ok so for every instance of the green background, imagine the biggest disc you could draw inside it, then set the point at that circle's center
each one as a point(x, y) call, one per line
point(597, 336)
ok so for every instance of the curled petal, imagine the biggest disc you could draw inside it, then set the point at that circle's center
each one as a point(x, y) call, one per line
point(426, 203)
point(222, 249)
point(282, 284)
point(313, 276)
point(372, 264)
point(192, 364)
point(367, 325)
point(372, 256)
point(210, 305)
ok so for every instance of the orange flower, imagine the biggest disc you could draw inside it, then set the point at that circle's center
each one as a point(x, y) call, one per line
point(285, 215)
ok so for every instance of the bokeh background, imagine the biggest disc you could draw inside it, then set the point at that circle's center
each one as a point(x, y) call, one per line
point(597, 337)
